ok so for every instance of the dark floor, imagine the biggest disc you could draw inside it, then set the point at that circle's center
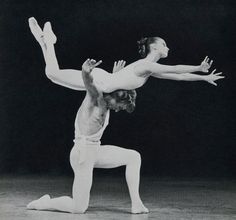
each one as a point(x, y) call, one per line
point(166, 199)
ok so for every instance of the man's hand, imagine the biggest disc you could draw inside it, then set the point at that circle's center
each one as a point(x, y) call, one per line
point(206, 65)
point(118, 66)
point(212, 77)
point(89, 65)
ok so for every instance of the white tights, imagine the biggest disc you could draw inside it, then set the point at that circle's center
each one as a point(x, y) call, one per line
point(96, 157)
point(70, 78)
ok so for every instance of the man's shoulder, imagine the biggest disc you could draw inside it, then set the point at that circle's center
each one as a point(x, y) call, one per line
point(92, 101)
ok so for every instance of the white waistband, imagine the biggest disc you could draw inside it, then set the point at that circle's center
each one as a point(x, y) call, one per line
point(82, 141)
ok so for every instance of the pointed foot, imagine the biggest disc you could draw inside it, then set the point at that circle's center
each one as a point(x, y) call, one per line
point(49, 36)
point(39, 204)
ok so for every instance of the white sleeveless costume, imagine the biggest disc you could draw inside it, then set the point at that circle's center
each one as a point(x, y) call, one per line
point(123, 79)
point(82, 142)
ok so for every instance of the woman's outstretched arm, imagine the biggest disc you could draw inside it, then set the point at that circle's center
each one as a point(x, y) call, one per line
point(156, 69)
point(210, 78)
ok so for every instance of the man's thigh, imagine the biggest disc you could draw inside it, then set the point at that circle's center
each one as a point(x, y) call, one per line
point(110, 156)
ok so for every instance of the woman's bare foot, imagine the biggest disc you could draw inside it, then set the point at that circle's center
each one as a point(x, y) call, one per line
point(39, 204)
point(139, 209)
point(49, 36)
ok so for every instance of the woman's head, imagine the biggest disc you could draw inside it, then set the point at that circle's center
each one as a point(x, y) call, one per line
point(121, 100)
point(157, 45)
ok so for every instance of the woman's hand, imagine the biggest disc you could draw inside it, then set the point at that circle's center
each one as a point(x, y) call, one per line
point(212, 77)
point(206, 65)
point(118, 66)
point(89, 65)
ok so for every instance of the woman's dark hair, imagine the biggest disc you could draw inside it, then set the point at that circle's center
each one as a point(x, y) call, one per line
point(144, 45)
point(126, 96)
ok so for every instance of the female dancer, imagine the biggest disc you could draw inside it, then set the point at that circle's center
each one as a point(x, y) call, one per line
point(87, 153)
point(131, 77)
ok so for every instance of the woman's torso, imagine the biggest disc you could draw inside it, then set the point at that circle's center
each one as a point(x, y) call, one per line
point(123, 79)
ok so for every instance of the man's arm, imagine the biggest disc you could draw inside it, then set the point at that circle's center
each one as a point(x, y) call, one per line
point(87, 68)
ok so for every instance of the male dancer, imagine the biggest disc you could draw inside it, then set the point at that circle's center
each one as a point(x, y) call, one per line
point(90, 123)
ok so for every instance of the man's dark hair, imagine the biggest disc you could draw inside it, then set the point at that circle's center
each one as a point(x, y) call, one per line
point(126, 96)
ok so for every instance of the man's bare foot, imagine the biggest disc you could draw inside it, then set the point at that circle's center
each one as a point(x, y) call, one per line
point(36, 30)
point(139, 209)
point(39, 204)
point(49, 36)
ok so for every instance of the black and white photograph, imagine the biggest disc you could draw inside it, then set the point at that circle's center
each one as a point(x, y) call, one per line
point(117, 110)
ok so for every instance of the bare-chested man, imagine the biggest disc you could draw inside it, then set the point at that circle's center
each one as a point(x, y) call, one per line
point(87, 153)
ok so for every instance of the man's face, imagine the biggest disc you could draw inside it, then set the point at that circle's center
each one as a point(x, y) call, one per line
point(122, 100)
point(116, 105)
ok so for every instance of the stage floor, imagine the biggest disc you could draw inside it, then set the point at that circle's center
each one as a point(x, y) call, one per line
point(166, 198)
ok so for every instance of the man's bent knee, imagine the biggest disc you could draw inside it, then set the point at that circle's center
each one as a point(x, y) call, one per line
point(79, 209)
point(80, 204)
point(135, 156)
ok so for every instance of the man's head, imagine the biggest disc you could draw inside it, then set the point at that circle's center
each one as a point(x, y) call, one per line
point(121, 100)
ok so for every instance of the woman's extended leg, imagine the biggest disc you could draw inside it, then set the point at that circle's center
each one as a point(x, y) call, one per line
point(111, 157)
point(68, 78)
point(38, 34)
point(106, 82)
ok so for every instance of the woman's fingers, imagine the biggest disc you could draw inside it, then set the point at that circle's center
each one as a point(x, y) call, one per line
point(213, 71)
point(213, 83)
point(220, 77)
point(121, 62)
point(217, 78)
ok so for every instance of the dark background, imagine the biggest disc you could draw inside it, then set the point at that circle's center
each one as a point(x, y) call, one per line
point(180, 128)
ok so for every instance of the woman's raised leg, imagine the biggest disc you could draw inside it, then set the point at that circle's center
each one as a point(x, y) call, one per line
point(38, 34)
point(69, 78)
point(111, 157)
point(72, 79)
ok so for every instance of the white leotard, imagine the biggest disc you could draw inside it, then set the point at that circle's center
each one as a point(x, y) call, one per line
point(123, 79)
